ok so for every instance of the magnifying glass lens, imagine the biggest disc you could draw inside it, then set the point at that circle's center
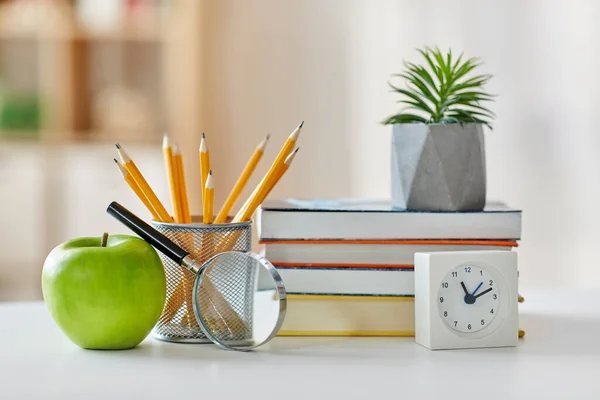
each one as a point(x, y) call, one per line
point(239, 300)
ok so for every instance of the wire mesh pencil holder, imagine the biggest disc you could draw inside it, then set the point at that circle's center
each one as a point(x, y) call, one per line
point(177, 322)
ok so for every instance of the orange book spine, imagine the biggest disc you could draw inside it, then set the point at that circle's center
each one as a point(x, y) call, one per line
point(337, 265)
point(499, 243)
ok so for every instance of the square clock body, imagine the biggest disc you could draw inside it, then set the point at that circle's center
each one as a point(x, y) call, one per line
point(466, 299)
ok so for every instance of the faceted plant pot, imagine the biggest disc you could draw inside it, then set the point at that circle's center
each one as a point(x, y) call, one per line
point(438, 167)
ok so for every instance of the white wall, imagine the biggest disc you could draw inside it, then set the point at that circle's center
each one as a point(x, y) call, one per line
point(272, 63)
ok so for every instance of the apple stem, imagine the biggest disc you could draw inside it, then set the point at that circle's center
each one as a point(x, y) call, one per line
point(104, 239)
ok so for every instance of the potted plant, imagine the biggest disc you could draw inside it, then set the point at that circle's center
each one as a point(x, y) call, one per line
point(438, 154)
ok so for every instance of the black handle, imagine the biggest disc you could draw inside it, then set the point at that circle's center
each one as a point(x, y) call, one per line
point(146, 232)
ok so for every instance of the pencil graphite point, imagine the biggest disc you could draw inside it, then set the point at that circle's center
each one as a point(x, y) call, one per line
point(288, 159)
point(301, 124)
point(294, 135)
point(117, 145)
point(262, 145)
point(203, 146)
point(203, 135)
point(121, 167)
point(123, 154)
point(209, 181)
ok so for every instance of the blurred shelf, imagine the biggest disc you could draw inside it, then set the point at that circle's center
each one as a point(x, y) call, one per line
point(125, 35)
point(121, 35)
point(8, 35)
point(91, 137)
point(19, 136)
point(122, 137)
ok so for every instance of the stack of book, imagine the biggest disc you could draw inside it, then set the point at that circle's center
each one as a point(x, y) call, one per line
point(347, 264)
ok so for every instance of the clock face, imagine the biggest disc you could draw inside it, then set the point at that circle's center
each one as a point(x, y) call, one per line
point(468, 299)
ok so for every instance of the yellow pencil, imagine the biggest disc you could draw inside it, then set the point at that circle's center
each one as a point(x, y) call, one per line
point(172, 176)
point(282, 170)
point(241, 182)
point(143, 184)
point(210, 198)
point(264, 191)
point(283, 153)
point(185, 207)
point(204, 164)
point(136, 189)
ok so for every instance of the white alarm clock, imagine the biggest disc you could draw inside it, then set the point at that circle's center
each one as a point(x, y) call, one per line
point(466, 299)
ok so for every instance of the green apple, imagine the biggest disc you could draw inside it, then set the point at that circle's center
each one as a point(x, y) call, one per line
point(104, 293)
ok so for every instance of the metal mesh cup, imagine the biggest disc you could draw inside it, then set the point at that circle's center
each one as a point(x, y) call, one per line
point(177, 322)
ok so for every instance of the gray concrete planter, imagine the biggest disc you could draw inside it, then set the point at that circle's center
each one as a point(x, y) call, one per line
point(438, 167)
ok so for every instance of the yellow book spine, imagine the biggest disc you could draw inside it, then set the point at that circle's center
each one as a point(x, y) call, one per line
point(346, 333)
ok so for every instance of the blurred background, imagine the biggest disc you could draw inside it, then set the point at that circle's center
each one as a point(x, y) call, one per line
point(78, 76)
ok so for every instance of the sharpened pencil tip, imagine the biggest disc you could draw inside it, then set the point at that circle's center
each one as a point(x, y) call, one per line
point(294, 135)
point(117, 145)
point(262, 145)
point(290, 157)
point(203, 145)
point(116, 162)
point(203, 135)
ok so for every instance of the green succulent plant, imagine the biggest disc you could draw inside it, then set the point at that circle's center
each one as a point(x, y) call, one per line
point(442, 91)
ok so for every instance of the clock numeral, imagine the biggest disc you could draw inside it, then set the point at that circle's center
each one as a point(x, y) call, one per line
point(441, 299)
point(482, 322)
point(444, 284)
point(455, 322)
point(454, 274)
point(445, 313)
point(468, 269)
point(495, 296)
point(491, 282)
point(492, 311)
point(469, 327)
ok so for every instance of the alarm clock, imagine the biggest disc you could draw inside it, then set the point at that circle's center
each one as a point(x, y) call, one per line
point(466, 299)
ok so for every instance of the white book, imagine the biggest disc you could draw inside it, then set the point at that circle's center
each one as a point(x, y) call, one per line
point(348, 281)
point(366, 253)
point(292, 219)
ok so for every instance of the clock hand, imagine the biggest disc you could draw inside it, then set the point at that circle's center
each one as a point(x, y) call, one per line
point(469, 298)
point(464, 288)
point(475, 291)
point(484, 292)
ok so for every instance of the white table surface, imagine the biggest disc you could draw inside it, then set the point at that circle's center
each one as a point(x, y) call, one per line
point(559, 358)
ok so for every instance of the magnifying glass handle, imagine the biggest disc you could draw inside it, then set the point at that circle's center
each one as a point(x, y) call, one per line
point(148, 233)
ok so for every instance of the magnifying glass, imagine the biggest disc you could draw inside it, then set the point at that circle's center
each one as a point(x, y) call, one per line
point(226, 285)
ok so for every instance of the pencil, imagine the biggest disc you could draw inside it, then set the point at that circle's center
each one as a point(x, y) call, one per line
point(136, 189)
point(172, 176)
point(204, 165)
point(244, 215)
point(210, 198)
point(241, 182)
point(185, 207)
point(143, 184)
point(283, 153)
